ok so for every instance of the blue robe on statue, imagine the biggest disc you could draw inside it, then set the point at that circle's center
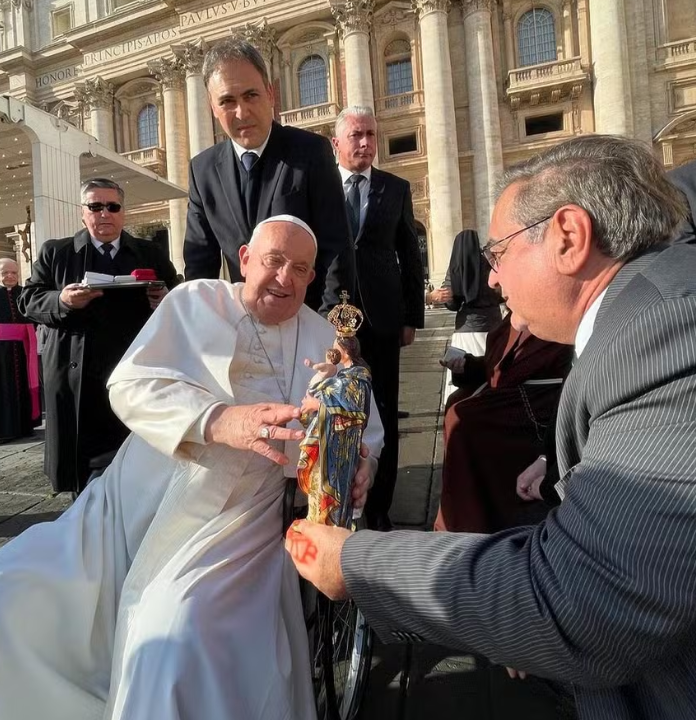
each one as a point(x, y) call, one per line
point(330, 452)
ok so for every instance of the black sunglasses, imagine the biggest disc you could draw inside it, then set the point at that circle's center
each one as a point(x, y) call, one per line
point(98, 207)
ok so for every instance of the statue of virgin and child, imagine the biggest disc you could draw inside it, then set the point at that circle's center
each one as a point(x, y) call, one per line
point(335, 412)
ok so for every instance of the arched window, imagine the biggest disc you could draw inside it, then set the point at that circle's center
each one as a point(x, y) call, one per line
point(148, 127)
point(311, 77)
point(536, 37)
point(399, 68)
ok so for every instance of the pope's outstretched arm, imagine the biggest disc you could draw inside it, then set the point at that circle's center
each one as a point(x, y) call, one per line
point(172, 386)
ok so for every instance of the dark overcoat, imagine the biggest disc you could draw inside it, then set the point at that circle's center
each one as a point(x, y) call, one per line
point(83, 347)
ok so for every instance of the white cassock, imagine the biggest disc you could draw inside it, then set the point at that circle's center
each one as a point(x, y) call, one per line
point(165, 591)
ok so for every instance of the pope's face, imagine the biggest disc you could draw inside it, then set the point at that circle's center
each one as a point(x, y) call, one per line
point(9, 273)
point(277, 267)
point(241, 102)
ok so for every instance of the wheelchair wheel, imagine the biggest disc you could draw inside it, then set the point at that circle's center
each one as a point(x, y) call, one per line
point(343, 656)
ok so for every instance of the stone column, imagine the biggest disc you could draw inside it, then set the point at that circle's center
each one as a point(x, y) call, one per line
point(97, 96)
point(22, 24)
point(484, 119)
point(440, 132)
point(334, 93)
point(354, 18)
point(613, 101)
point(568, 37)
point(170, 74)
point(262, 37)
point(200, 121)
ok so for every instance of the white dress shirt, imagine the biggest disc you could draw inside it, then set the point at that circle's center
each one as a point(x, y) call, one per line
point(586, 326)
point(115, 244)
point(239, 150)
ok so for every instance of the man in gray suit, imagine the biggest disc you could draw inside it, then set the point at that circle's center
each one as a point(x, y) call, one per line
point(602, 593)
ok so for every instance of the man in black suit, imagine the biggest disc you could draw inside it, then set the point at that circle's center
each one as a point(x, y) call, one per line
point(264, 170)
point(389, 284)
point(88, 330)
point(684, 178)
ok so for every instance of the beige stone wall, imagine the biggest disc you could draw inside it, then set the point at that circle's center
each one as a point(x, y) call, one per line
point(657, 87)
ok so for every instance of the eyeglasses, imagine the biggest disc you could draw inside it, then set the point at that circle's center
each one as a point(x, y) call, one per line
point(493, 258)
point(97, 207)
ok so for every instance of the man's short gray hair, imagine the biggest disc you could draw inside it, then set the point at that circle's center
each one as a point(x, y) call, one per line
point(100, 184)
point(231, 49)
point(617, 181)
point(352, 110)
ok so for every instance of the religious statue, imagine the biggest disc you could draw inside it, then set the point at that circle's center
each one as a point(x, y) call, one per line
point(335, 412)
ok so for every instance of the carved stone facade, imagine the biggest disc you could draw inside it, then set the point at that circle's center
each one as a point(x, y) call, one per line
point(353, 15)
point(460, 88)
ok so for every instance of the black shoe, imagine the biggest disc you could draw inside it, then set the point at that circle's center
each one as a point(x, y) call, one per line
point(402, 414)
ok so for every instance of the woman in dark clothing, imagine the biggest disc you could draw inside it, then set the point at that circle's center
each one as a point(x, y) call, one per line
point(494, 429)
point(465, 291)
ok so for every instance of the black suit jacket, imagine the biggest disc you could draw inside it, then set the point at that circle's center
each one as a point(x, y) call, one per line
point(83, 346)
point(298, 177)
point(684, 178)
point(389, 267)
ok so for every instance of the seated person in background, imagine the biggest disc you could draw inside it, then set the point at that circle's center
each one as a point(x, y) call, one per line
point(165, 593)
point(494, 428)
point(465, 290)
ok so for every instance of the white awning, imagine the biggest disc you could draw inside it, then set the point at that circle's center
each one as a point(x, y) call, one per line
point(33, 144)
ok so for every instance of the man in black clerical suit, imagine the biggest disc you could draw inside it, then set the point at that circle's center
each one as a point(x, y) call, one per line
point(389, 276)
point(263, 170)
point(684, 178)
point(88, 330)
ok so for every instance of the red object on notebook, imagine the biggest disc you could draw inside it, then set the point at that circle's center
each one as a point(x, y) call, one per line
point(144, 275)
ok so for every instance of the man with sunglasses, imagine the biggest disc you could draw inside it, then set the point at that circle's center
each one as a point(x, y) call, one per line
point(88, 330)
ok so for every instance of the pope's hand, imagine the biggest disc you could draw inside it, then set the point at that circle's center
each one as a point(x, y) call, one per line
point(364, 477)
point(250, 427)
point(316, 552)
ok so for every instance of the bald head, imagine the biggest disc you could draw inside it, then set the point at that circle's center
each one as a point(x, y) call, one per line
point(9, 273)
point(277, 265)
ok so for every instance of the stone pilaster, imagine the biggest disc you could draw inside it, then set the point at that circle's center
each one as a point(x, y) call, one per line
point(569, 50)
point(200, 122)
point(263, 37)
point(440, 132)
point(484, 118)
point(96, 96)
point(613, 101)
point(509, 36)
point(171, 73)
point(354, 20)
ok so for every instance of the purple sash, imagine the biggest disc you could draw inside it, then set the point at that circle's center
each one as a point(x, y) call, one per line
point(26, 334)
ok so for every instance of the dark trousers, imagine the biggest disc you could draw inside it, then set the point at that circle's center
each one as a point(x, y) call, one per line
point(382, 352)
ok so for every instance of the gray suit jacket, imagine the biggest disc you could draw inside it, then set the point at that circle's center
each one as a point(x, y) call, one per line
point(602, 594)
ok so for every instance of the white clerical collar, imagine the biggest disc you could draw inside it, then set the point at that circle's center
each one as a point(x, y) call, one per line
point(115, 244)
point(345, 174)
point(586, 327)
point(239, 150)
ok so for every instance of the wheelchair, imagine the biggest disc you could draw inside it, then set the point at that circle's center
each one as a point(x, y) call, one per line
point(340, 640)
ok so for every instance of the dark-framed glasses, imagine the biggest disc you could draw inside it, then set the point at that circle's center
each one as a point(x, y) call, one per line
point(97, 207)
point(493, 258)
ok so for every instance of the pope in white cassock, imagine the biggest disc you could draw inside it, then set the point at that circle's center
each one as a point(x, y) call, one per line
point(165, 592)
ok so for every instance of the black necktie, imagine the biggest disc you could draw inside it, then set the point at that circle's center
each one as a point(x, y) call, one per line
point(353, 203)
point(107, 250)
point(250, 187)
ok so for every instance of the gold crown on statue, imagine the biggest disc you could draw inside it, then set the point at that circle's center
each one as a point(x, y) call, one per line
point(346, 318)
